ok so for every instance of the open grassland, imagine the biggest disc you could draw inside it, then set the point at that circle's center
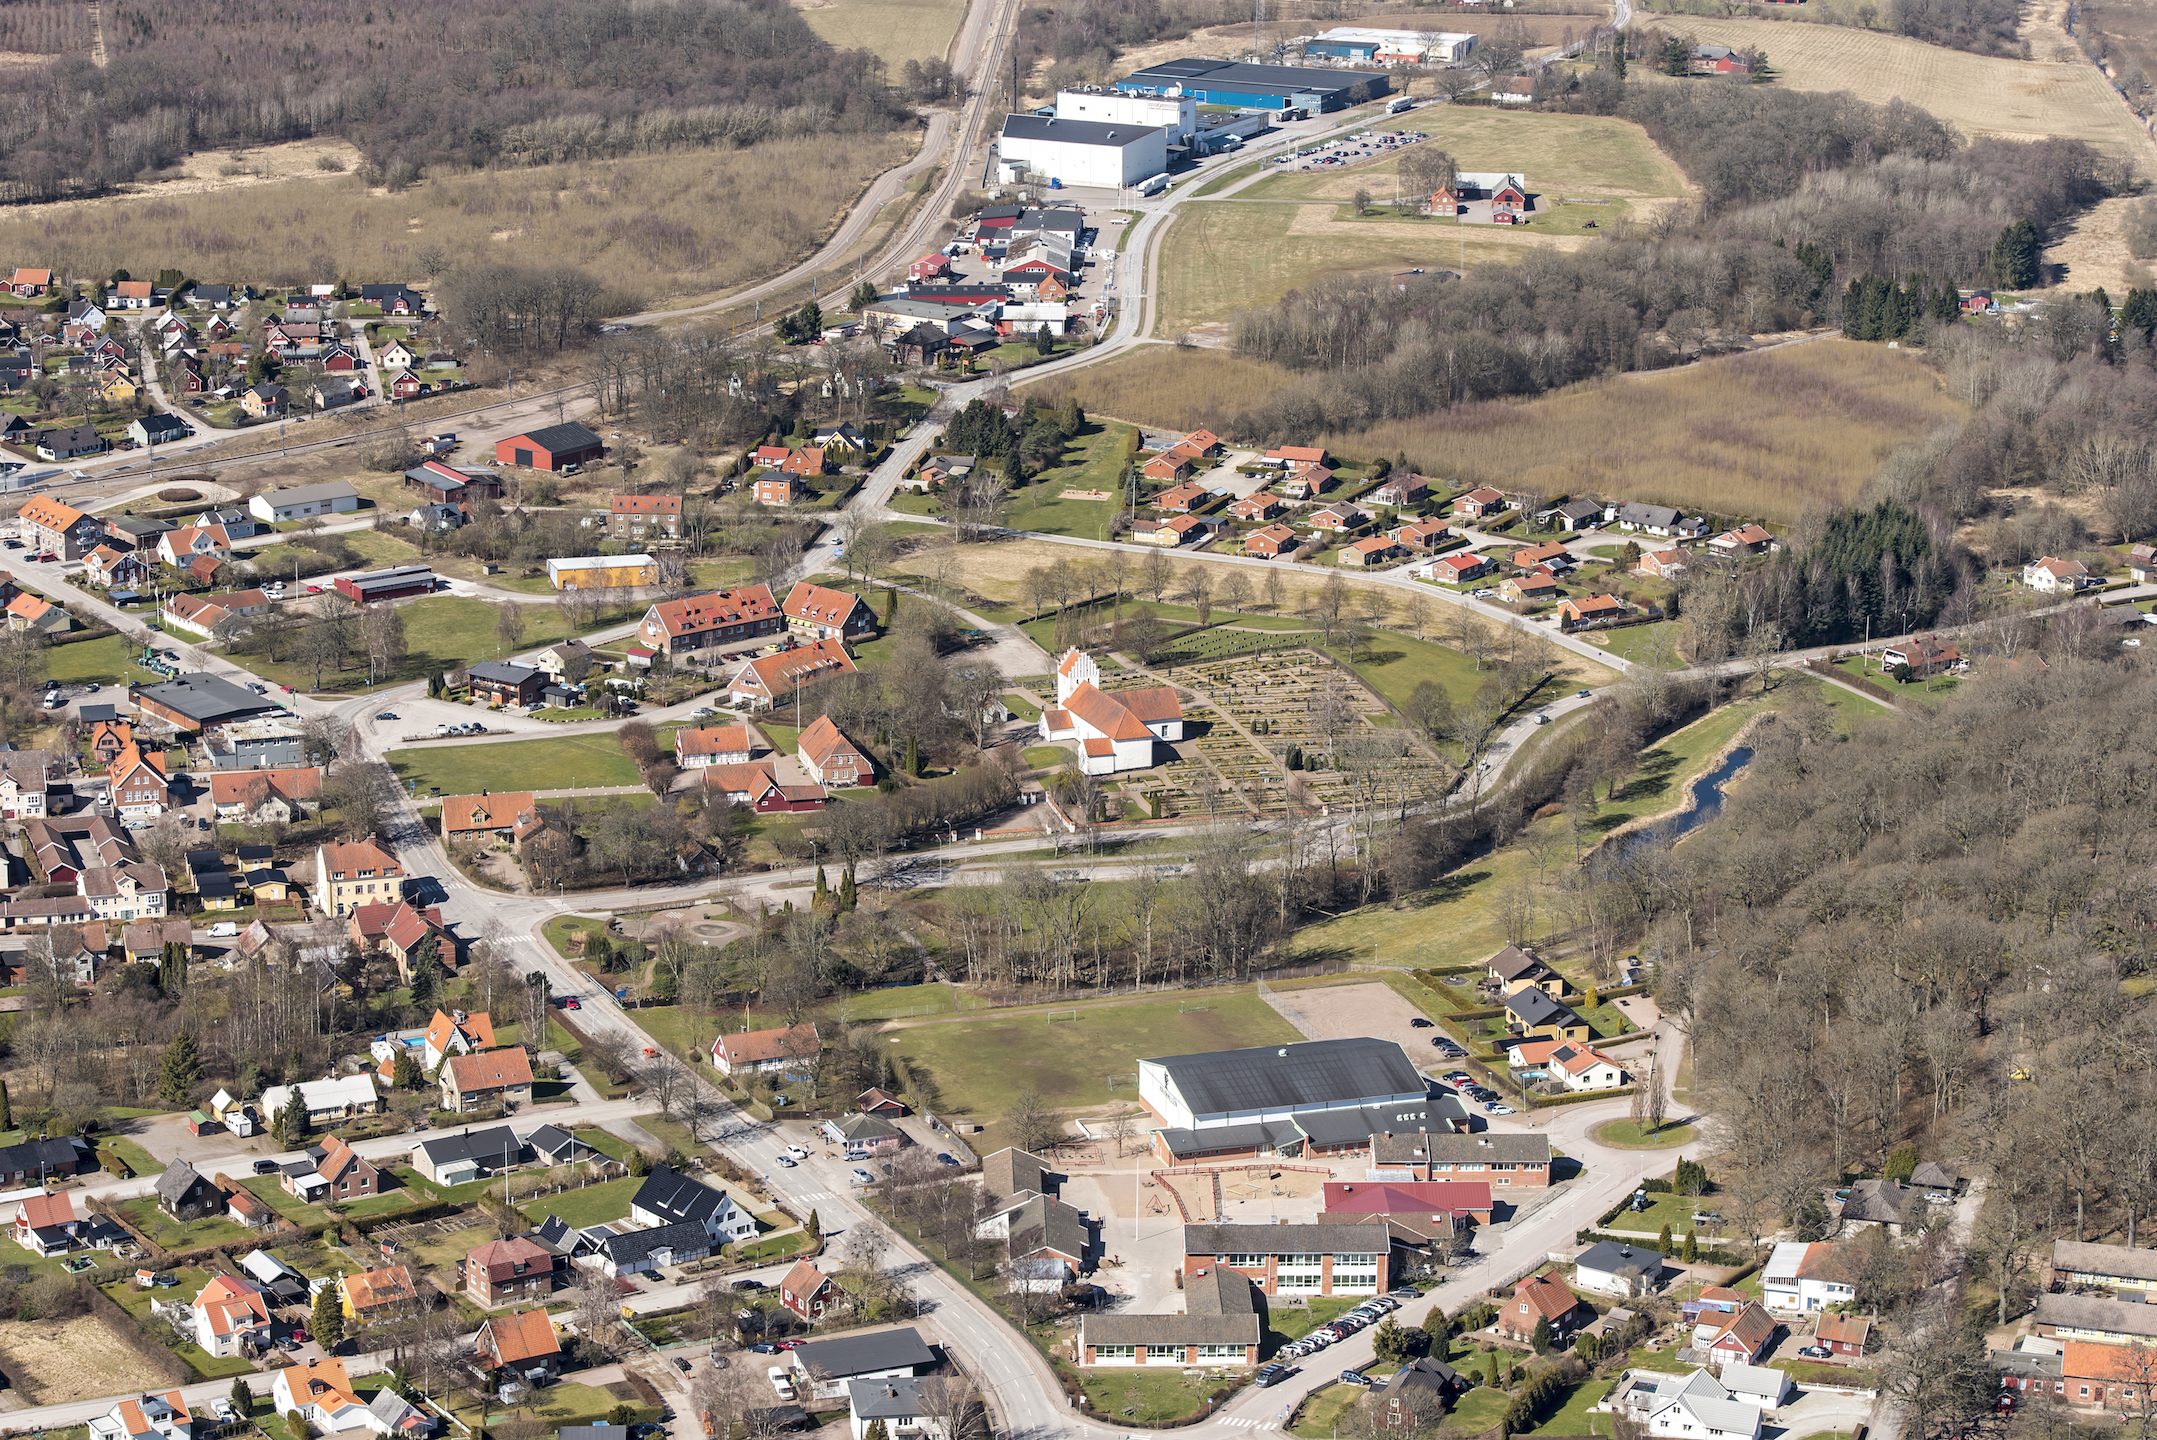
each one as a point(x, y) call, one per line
point(2091, 249)
point(1223, 256)
point(895, 30)
point(688, 223)
point(1757, 435)
point(1980, 95)
point(61, 1360)
point(1554, 154)
point(1170, 388)
point(979, 1067)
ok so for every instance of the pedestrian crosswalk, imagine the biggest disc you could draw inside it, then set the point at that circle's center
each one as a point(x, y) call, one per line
point(813, 1195)
point(1270, 1423)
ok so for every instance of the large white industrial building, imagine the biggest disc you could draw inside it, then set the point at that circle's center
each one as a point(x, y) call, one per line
point(1081, 152)
point(1357, 44)
point(1178, 114)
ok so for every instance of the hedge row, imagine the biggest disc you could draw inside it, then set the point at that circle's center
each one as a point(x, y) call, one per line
point(1545, 1102)
point(1711, 1257)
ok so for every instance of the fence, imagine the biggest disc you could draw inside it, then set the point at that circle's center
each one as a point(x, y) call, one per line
point(1289, 1012)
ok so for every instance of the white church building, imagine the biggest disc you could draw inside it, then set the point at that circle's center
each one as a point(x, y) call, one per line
point(1114, 730)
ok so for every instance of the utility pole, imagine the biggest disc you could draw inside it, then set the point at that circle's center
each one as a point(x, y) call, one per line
point(1258, 28)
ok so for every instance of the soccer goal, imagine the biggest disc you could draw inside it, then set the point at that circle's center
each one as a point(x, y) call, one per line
point(1058, 1015)
point(1185, 1007)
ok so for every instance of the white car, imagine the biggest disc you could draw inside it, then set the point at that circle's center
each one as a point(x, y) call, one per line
point(777, 1374)
point(785, 1162)
point(799, 1152)
point(225, 929)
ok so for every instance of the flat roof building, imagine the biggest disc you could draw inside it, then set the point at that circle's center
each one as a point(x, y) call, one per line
point(1083, 152)
point(1258, 87)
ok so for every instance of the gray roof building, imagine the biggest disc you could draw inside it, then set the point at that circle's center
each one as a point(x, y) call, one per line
point(1045, 1225)
point(1877, 1201)
point(866, 1354)
point(1445, 1149)
point(2103, 1264)
point(1533, 1010)
point(662, 1244)
point(1219, 1310)
point(1012, 1171)
point(497, 1148)
point(2093, 1317)
point(897, 1399)
point(1275, 1081)
point(205, 699)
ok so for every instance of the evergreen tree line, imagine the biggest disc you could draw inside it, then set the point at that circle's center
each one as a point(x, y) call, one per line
point(1876, 308)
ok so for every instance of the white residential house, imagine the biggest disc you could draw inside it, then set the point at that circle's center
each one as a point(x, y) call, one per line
point(1612, 1267)
point(145, 1417)
point(321, 1391)
point(2052, 576)
point(1806, 1277)
point(1756, 1384)
point(325, 1100)
point(898, 1403)
point(231, 1314)
point(1691, 1407)
point(301, 502)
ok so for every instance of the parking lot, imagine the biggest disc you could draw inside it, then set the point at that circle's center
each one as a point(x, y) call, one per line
point(1349, 150)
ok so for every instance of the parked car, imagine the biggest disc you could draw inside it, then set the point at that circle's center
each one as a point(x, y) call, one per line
point(1354, 1377)
point(1419, 1023)
point(798, 1152)
point(860, 1176)
point(1270, 1375)
point(1814, 1352)
point(784, 1162)
point(763, 1348)
point(265, 1167)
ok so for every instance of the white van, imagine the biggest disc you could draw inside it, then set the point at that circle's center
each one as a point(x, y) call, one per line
point(225, 929)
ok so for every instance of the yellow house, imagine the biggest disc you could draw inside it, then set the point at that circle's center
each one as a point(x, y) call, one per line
point(592, 571)
point(116, 388)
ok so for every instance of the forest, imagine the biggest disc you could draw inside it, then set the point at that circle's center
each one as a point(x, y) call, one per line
point(493, 82)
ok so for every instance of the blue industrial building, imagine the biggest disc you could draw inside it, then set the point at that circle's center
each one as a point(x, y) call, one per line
point(1258, 87)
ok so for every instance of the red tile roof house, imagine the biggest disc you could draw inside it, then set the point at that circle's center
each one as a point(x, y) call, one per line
point(807, 1291)
point(1270, 543)
point(1306, 482)
point(700, 621)
point(471, 1081)
point(714, 745)
point(1528, 587)
point(830, 759)
point(1478, 503)
point(816, 612)
point(1456, 1199)
point(755, 786)
point(1375, 550)
point(556, 447)
point(1180, 500)
point(483, 817)
point(284, 793)
point(770, 679)
point(1545, 1297)
point(1841, 1335)
point(1664, 564)
point(1741, 1338)
point(1168, 465)
point(514, 1269)
point(1458, 569)
point(761, 1050)
point(1200, 442)
point(2052, 575)
point(769, 457)
point(1924, 655)
point(1589, 609)
point(641, 515)
point(1337, 518)
point(808, 460)
point(1420, 534)
point(1263, 505)
point(776, 489)
point(1295, 456)
point(1745, 540)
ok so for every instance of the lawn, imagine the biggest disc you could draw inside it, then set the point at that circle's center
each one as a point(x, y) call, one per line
point(444, 632)
point(588, 1206)
point(1092, 462)
point(1554, 154)
point(108, 660)
point(136, 1301)
point(1577, 1415)
point(139, 1160)
point(1676, 1211)
point(1022, 707)
point(1479, 1409)
point(1655, 644)
point(561, 927)
point(266, 1189)
point(555, 762)
point(171, 1234)
point(1139, 1397)
point(1626, 1135)
point(1322, 1410)
point(1292, 1322)
point(977, 1068)
point(1047, 757)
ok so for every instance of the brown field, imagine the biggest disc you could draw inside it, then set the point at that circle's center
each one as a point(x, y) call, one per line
point(1556, 154)
point(2025, 99)
point(2092, 250)
point(1171, 388)
point(895, 30)
point(664, 226)
point(66, 1360)
point(1754, 435)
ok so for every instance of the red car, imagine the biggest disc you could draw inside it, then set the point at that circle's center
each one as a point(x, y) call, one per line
point(572, 1003)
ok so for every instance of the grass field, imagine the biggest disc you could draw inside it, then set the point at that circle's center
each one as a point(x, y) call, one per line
point(1095, 462)
point(565, 762)
point(107, 661)
point(698, 202)
point(1554, 154)
point(590, 1205)
point(979, 1067)
point(2027, 100)
point(1139, 1398)
point(1170, 388)
point(1817, 421)
point(441, 632)
point(1222, 256)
